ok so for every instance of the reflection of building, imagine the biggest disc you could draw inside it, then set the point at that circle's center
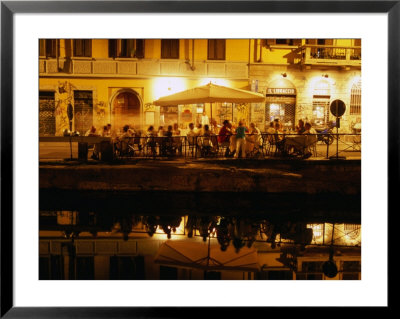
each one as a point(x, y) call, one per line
point(87, 245)
point(115, 81)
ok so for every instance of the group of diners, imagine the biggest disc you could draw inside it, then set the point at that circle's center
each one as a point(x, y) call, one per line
point(296, 143)
point(234, 140)
point(230, 139)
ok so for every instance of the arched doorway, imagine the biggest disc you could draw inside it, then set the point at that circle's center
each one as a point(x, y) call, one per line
point(280, 103)
point(126, 109)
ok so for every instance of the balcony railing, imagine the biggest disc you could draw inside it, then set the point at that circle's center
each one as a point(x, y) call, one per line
point(330, 55)
point(141, 67)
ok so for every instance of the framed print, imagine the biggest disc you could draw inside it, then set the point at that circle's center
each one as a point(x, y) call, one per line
point(196, 156)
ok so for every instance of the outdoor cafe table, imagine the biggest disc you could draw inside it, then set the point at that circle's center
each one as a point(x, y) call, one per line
point(105, 145)
point(298, 142)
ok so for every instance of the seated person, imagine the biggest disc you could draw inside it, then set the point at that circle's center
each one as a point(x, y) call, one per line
point(192, 137)
point(92, 132)
point(105, 131)
point(300, 127)
point(126, 132)
point(279, 139)
point(96, 146)
point(270, 131)
point(224, 134)
point(232, 141)
point(311, 139)
point(124, 140)
point(177, 141)
point(150, 139)
point(308, 129)
point(166, 142)
point(160, 131)
point(206, 143)
point(199, 129)
point(253, 140)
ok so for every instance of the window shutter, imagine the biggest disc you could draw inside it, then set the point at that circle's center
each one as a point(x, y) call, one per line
point(169, 49)
point(42, 47)
point(139, 48)
point(112, 48)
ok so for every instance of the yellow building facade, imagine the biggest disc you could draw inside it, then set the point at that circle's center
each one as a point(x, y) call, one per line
point(116, 81)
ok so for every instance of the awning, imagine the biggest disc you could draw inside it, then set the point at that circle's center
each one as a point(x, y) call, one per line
point(207, 256)
point(210, 93)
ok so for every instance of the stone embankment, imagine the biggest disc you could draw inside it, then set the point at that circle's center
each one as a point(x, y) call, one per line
point(309, 177)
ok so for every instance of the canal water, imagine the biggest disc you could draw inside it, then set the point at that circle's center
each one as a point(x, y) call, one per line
point(126, 235)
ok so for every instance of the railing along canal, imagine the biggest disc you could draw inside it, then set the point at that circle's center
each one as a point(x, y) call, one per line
point(264, 145)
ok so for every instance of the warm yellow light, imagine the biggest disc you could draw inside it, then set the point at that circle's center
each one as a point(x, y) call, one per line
point(317, 232)
point(319, 85)
point(180, 230)
point(167, 86)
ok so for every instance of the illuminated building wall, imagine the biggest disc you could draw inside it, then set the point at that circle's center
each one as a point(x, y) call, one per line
point(116, 81)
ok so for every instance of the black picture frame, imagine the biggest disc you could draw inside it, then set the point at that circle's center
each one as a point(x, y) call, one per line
point(9, 8)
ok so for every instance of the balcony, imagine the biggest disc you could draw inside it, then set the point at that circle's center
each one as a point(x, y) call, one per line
point(330, 55)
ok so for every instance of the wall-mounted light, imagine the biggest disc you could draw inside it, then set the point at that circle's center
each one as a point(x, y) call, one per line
point(325, 75)
point(284, 75)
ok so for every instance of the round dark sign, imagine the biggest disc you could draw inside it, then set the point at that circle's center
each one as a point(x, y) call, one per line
point(338, 108)
point(329, 268)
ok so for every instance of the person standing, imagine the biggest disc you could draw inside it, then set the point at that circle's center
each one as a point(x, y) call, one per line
point(204, 120)
point(240, 139)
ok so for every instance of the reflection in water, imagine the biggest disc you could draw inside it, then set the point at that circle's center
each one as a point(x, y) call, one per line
point(228, 230)
point(118, 239)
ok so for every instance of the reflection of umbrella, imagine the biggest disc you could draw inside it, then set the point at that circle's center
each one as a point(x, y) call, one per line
point(208, 94)
point(206, 256)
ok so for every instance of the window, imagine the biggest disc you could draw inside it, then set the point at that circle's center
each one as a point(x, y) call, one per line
point(48, 48)
point(84, 268)
point(127, 268)
point(82, 48)
point(310, 270)
point(320, 41)
point(216, 49)
point(288, 41)
point(283, 41)
point(168, 273)
point(51, 268)
point(322, 52)
point(355, 99)
point(321, 101)
point(351, 270)
point(320, 111)
point(280, 107)
point(355, 54)
point(212, 275)
point(47, 119)
point(126, 48)
point(83, 111)
point(169, 49)
point(275, 275)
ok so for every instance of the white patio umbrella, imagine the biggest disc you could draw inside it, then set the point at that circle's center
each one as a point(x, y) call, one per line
point(207, 256)
point(210, 93)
